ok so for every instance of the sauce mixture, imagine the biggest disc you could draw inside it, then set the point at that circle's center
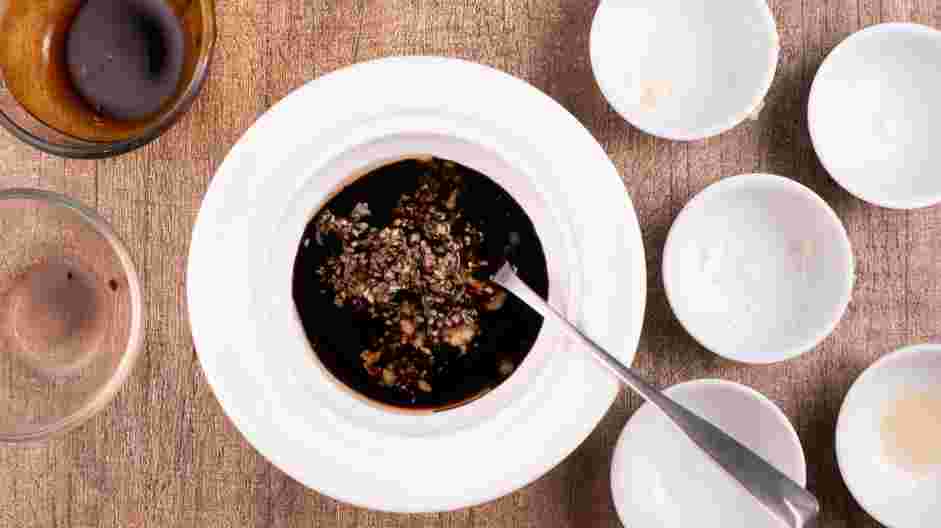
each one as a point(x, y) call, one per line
point(388, 284)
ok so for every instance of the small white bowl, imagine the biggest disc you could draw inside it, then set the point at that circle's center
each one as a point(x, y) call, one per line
point(874, 112)
point(758, 268)
point(895, 496)
point(683, 69)
point(660, 478)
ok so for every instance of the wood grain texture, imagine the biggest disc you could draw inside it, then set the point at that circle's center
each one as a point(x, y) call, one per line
point(163, 454)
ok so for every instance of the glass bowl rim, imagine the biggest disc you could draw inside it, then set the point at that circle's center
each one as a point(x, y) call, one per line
point(84, 149)
point(104, 394)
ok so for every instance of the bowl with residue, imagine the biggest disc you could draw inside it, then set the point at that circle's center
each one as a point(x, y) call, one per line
point(887, 438)
point(682, 69)
point(99, 78)
point(71, 315)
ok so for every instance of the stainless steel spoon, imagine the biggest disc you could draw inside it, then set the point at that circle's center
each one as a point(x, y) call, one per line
point(783, 497)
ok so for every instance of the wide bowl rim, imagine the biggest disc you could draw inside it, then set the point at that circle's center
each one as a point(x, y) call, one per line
point(441, 78)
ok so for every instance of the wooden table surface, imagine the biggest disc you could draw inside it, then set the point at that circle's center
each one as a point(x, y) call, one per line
point(164, 454)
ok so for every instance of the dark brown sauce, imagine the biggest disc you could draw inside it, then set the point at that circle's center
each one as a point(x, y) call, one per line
point(338, 334)
point(125, 57)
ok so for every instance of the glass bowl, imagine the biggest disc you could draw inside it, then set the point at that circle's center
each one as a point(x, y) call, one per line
point(38, 103)
point(71, 314)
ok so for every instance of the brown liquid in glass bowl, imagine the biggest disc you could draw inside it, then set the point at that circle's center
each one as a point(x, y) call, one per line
point(341, 333)
point(99, 70)
point(125, 57)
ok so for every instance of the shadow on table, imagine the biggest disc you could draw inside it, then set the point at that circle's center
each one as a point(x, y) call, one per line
point(791, 152)
point(560, 65)
point(817, 431)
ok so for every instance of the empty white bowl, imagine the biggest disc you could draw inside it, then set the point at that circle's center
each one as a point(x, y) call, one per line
point(684, 69)
point(874, 111)
point(660, 478)
point(758, 268)
point(894, 495)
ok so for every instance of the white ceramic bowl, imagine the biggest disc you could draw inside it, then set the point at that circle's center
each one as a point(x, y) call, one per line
point(684, 69)
point(895, 496)
point(250, 340)
point(758, 268)
point(660, 478)
point(874, 111)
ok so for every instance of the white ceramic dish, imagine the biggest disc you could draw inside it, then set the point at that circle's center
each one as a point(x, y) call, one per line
point(758, 268)
point(254, 351)
point(874, 112)
point(896, 497)
point(660, 478)
point(682, 69)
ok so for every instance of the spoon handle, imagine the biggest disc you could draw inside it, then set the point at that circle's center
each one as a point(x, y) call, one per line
point(783, 497)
